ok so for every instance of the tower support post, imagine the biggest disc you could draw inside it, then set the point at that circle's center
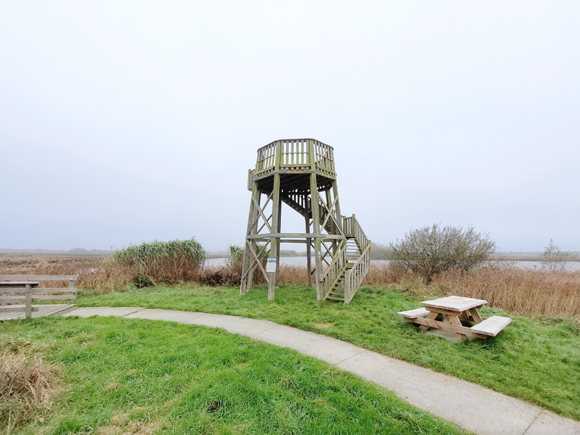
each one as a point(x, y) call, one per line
point(317, 241)
point(308, 253)
point(274, 240)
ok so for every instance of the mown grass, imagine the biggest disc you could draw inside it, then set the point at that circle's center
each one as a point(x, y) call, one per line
point(135, 376)
point(537, 360)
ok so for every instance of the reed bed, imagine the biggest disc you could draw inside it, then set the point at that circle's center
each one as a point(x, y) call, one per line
point(526, 292)
point(173, 261)
point(519, 291)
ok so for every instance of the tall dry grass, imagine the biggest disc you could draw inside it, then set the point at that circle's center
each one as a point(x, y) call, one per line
point(28, 384)
point(519, 291)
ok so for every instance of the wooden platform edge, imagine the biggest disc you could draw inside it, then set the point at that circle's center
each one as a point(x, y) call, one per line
point(39, 311)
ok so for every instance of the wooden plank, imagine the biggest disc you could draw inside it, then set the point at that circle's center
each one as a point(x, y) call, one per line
point(447, 312)
point(454, 303)
point(28, 302)
point(476, 317)
point(429, 323)
point(49, 310)
point(10, 278)
point(12, 299)
point(17, 284)
point(52, 297)
point(454, 320)
point(412, 314)
point(431, 318)
point(40, 290)
point(492, 326)
point(13, 309)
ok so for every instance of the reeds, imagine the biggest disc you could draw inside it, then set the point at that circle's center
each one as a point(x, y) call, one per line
point(519, 291)
point(173, 261)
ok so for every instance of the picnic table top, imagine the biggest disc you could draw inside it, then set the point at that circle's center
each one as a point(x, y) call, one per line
point(454, 303)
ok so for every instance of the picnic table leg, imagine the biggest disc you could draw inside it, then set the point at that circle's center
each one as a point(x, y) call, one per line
point(431, 316)
point(454, 320)
point(476, 317)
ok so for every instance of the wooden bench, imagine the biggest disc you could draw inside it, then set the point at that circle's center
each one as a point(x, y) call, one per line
point(492, 326)
point(413, 314)
point(19, 292)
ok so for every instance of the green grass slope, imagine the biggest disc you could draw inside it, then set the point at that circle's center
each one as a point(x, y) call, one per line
point(137, 376)
point(537, 360)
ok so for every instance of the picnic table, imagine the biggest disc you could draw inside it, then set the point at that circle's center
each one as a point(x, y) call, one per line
point(449, 312)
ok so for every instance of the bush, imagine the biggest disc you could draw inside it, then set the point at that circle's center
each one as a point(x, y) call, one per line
point(142, 281)
point(555, 259)
point(431, 250)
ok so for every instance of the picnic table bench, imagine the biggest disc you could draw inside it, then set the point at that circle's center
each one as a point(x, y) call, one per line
point(19, 292)
point(447, 314)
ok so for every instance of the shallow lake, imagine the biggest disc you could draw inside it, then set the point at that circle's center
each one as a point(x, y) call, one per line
point(301, 261)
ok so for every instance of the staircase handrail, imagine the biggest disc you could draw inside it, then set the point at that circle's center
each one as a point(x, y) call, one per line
point(356, 274)
point(335, 270)
point(351, 227)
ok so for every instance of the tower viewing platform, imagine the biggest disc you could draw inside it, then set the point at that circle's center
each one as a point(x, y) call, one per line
point(294, 160)
point(301, 173)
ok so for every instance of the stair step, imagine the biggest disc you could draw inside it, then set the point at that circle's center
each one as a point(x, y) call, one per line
point(335, 299)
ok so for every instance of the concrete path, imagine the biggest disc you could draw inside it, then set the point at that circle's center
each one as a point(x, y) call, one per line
point(471, 406)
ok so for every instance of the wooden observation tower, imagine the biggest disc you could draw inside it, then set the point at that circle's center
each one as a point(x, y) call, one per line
point(301, 173)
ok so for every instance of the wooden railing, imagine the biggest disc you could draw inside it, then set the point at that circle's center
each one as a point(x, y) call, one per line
point(19, 292)
point(335, 270)
point(354, 277)
point(351, 228)
point(294, 155)
point(324, 158)
point(266, 159)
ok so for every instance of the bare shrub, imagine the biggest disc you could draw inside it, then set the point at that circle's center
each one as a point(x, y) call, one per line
point(555, 259)
point(215, 276)
point(28, 384)
point(431, 250)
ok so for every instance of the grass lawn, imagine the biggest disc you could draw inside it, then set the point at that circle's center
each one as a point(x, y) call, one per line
point(537, 360)
point(131, 376)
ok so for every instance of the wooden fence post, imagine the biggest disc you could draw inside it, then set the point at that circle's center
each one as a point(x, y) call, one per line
point(28, 303)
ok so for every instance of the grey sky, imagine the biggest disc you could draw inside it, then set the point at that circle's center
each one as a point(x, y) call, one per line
point(124, 122)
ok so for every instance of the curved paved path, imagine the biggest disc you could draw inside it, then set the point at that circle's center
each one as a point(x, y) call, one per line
point(471, 406)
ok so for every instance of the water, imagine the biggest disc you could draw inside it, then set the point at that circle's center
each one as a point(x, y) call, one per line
point(301, 261)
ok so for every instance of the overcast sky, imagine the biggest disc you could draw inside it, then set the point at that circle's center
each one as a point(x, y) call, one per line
point(123, 122)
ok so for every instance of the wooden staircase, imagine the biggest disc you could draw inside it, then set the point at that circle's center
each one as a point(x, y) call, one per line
point(349, 265)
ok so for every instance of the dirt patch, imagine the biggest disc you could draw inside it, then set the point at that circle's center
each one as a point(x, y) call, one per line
point(324, 325)
point(130, 428)
point(119, 419)
point(149, 429)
